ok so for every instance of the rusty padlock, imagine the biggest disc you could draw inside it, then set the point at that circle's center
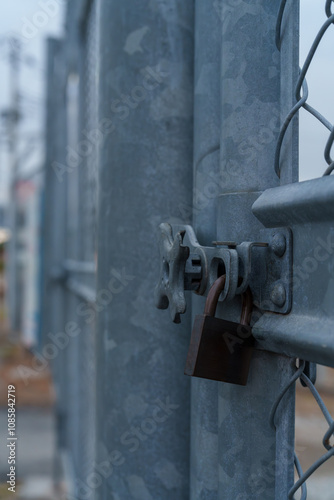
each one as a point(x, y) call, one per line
point(221, 350)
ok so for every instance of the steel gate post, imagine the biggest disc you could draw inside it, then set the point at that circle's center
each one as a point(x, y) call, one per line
point(204, 393)
point(255, 462)
point(88, 28)
point(53, 300)
point(145, 176)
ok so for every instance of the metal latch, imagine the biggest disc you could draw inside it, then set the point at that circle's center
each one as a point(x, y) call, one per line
point(186, 265)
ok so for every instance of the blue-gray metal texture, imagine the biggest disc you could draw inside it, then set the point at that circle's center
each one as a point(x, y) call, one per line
point(173, 142)
point(307, 207)
point(145, 173)
point(87, 224)
point(54, 222)
point(71, 449)
point(204, 393)
point(287, 41)
point(255, 461)
point(70, 223)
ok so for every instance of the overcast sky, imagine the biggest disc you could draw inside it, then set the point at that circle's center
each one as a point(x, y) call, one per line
point(19, 17)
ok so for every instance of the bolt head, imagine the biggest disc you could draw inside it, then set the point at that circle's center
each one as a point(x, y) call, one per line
point(278, 294)
point(278, 244)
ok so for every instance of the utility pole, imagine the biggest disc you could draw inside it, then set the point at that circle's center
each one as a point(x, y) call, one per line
point(13, 117)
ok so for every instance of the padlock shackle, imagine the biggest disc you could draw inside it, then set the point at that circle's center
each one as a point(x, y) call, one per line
point(213, 296)
point(247, 306)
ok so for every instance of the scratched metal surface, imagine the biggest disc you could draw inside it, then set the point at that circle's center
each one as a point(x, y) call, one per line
point(207, 121)
point(87, 244)
point(145, 175)
point(180, 143)
point(250, 118)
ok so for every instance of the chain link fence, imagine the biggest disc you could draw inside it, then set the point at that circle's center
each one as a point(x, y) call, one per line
point(304, 368)
point(79, 362)
point(303, 476)
point(302, 91)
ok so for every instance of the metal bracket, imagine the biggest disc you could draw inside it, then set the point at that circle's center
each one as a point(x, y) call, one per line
point(186, 265)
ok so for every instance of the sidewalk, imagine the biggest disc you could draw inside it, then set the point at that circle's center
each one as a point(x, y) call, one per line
point(35, 425)
point(36, 431)
point(35, 454)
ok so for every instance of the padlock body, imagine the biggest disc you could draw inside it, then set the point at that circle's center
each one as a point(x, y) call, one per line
point(220, 350)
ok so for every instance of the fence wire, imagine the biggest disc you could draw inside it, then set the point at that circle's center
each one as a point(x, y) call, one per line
point(301, 96)
point(303, 476)
point(301, 90)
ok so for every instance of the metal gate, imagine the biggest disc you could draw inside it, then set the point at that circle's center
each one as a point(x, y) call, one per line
point(186, 113)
